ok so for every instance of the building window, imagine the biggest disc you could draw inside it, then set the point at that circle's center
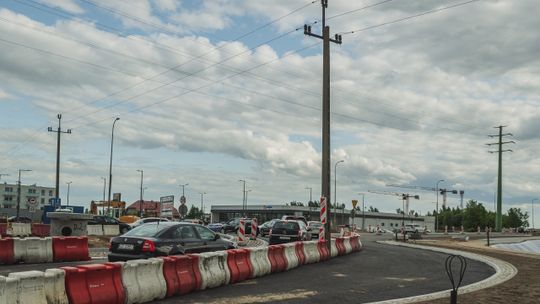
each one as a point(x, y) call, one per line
point(391, 224)
point(8, 198)
point(9, 189)
point(50, 193)
point(42, 192)
point(382, 224)
point(32, 191)
point(42, 200)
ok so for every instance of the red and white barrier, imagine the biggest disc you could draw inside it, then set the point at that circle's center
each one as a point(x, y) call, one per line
point(290, 255)
point(260, 263)
point(213, 268)
point(323, 218)
point(254, 227)
point(143, 280)
point(311, 252)
point(241, 232)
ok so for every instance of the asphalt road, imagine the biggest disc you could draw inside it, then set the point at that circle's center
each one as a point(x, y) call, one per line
point(379, 272)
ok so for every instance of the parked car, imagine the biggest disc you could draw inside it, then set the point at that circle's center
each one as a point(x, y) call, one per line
point(264, 229)
point(414, 228)
point(20, 219)
point(314, 228)
point(193, 221)
point(109, 220)
point(232, 226)
point(288, 231)
point(216, 227)
point(294, 218)
point(147, 220)
point(165, 238)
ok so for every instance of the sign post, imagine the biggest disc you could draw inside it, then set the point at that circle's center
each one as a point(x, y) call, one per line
point(166, 206)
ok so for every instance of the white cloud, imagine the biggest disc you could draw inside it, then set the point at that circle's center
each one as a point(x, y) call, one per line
point(66, 5)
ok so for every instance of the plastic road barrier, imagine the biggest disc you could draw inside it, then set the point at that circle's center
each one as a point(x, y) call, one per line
point(55, 289)
point(311, 252)
point(347, 245)
point(33, 250)
point(290, 255)
point(299, 247)
point(213, 268)
point(239, 265)
point(9, 290)
point(340, 246)
point(70, 248)
point(323, 218)
point(41, 230)
point(241, 232)
point(21, 229)
point(323, 250)
point(3, 229)
point(277, 258)
point(260, 262)
point(355, 243)
point(170, 275)
point(143, 280)
point(111, 229)
point(254, 227)
point(93, 284)
point(6, 251)
point(94, 229)
point(31, 286)
point(333, 248)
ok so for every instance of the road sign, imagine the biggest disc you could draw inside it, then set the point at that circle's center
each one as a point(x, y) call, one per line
point(167, 199)
point(182, 200)
point(183, 210)
point(354, 202)
point(167, 203)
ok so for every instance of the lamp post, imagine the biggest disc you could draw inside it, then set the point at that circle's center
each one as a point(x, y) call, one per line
point(532, 211)
point(247, 191)
point(141, 194)
point(335, 188)
point(437, 205)
point(202, 204)
point(243, 196)
point(110, 165)
point(68, 184)
point(19, 192)
point(183, 198)
point(363, 214)
point(310, 193)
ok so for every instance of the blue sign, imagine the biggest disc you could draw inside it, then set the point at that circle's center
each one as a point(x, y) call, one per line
point(56, 202)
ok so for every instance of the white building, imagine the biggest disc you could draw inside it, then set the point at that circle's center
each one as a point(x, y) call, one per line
point(32, 196)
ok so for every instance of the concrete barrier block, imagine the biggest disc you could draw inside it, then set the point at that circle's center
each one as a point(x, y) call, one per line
point(94, 230)
point(9, 290)
point(333, 249)
point(31, 286)
point(258, 257)
point(347, 243)
point(214, 269)
point(33, 250)
point(143, 280)
point(290, 255)
point(20, 229)
point(111, 230)
point(311, 252)
point(55, 288)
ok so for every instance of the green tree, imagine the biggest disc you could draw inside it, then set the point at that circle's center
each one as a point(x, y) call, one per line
point(515, 218)
point(475, 215)
point(371, 209)
point(194, 213)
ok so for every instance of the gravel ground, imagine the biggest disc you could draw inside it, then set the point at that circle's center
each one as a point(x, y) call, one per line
point(524, 288)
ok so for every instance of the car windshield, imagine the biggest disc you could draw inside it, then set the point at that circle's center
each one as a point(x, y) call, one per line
point(286, 225)
point(147, 230)
point(316, 225)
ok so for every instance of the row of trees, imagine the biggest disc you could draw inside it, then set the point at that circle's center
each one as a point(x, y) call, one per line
point(475, 214)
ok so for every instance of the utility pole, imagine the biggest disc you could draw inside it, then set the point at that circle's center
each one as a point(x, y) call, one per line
point(104, 187)
point(19, 193)
point(498, 216)
point(141, 202)
point(325, 180)
point(58, 132)
point(202, 204)
point(243, 197)
point(68, 184)
point(3, 174)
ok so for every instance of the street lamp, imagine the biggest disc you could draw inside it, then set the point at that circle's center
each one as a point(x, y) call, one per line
point(363, 214)
point(19, 192)
point(532, 211)
point(141, 194)
point(437, 205)
point(247, 191)
point(335, 186)
point(310, 193)
point(69, 184)
point(110, 164)
point(243, 196)
point(202, 204)
point(183, 189)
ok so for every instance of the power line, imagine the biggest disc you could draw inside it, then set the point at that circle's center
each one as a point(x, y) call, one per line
point(408, 17)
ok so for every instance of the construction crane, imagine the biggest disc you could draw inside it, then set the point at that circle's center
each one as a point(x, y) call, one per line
point(404, 196)
point(442, 191)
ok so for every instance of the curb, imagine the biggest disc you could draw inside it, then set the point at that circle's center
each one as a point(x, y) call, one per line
point(504, 271)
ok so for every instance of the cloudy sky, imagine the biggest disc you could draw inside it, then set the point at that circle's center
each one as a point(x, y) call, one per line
point(210, 92)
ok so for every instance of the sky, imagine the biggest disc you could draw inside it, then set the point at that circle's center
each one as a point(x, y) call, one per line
point(212, 92)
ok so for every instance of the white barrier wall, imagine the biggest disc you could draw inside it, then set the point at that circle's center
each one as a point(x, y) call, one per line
point(311, 252)
point(347, 243)
point(20, 229)
point(94, 230)
point(111, 229)
point(214, 269)
point(55, 288)
point(9, 290)
point(290, 255)
point(333, 247)
point(143, 280)
point(32, 286)
point(258, 257)
point(33, 250)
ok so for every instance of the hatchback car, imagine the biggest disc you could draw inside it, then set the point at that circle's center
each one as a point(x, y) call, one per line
point(294, 218)
point(288, 231)
point(147, 220)
point(109, 220)
point(314, 228)
point(167, 238)
point(264, 229)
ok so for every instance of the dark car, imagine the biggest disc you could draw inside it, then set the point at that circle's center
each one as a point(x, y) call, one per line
point(264, 229)
point(166, 238)
point(288, 231)
point(294, 218)
point(232, 226)
point(109, 220)
point(216, 227)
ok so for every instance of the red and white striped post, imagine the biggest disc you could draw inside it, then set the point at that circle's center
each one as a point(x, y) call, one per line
point(254, 229)
point(241, 232)
point(323, 219)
